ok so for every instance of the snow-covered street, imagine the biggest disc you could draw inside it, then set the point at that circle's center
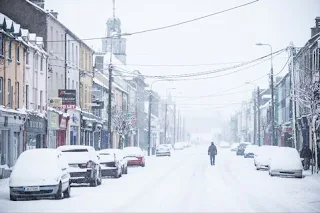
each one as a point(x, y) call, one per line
point(185, 182)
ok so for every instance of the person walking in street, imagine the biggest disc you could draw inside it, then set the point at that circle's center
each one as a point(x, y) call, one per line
point(212, 152)
point(306, 154)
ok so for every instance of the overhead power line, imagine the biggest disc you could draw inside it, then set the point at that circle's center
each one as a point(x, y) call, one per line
point(163, 27)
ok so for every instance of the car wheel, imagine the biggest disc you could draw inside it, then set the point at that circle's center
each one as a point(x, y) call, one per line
point(59, 194)
point(143, 164)
point(66, 193)
point(13, 198)
point(100, 178)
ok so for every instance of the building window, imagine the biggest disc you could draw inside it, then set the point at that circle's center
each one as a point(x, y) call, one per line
point(1, 91)
point(41, 64)
point(51, 37)
point(27, 96)
point(72, 53)
point(77, 56)
point(18, 54)
point(62, 43)
point(36, 60)
point(68, 83)
point(17, 95)
point(9, 93)
point(57, 43)
point(72, 84)
point(41, 100)
point(2, 45)
point(69, 52)
point(61, 81)
point(27, 57)
point(9, 50)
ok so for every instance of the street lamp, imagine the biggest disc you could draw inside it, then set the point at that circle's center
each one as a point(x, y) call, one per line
point(256, 117)
point(272, 94)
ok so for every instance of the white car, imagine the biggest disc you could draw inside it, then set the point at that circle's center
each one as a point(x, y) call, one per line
point(40, 173)
point(178, 146)
point(164, 150)
point(286, 162)
point(250, 151)
point(113, 162)
point(84, 164)
point(234, 147)
point(262, 156)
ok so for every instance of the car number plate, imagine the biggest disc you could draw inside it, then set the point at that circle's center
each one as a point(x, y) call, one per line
point(32, 188)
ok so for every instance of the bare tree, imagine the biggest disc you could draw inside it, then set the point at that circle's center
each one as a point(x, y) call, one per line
point(122, 124)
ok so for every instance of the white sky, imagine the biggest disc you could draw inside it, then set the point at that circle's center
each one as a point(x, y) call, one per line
point(227, 37)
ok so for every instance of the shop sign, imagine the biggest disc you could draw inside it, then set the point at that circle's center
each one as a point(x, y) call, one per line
point(54, 119)
point(35, 124)
point(63, 123)
point(69, 97)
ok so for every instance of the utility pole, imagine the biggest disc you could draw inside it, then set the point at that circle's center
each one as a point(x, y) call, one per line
point(109, 105)
point(258, 108)
point(174, 124)
point(294, 135)
point(254, 120)
point(149, 124)
point(165, 123)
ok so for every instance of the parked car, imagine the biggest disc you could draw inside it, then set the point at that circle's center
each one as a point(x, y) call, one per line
point(164, 150)
point(112, 163)
point(178, 146)
point(250, 151)
point(84, 164)
point(262, 156)
point(242, 146)
point(286, 162)
point(135, 156)
point(234, 147)
point(40, 173)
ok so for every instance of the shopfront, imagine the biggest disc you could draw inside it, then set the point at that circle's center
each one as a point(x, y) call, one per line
point(73, 133)
point(11, 136)
point(36, 131)
point(53, 127)
point(62, 131)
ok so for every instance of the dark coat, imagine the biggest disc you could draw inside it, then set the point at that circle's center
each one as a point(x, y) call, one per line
point(212, 150)
point(306, 152)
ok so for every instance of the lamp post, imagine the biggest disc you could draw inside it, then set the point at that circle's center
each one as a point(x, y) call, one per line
point(272, 95)
point(256, 114)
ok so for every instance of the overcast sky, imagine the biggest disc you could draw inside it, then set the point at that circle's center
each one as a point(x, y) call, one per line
point(227, 37)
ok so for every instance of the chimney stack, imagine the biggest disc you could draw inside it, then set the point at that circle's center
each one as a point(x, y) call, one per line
point(55, 14)
point(39, 3)
point(315, 30)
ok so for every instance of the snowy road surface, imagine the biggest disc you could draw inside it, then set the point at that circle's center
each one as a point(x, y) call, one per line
point(185, 182)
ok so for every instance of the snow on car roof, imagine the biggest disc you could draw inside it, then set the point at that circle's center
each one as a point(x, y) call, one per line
point(74, 147)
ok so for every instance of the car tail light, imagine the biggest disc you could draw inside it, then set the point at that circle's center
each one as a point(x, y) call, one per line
point(90, 164)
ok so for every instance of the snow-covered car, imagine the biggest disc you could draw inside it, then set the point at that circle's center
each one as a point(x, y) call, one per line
point(262, 156)
point(40, 173)
point(224, 144)
point(286, 162)
point(234, 147)
point(135, 156)
point(84, 164)
point(112, 163)
point(242, 146)
point(250, 151)
point(163, 150)
point(178, 146)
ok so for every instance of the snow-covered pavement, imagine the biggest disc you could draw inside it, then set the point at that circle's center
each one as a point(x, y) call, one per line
point(185, 182)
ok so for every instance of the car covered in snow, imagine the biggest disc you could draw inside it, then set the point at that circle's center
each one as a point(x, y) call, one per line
point(135, 156)
point(250, 151)
point(234, 147)
point(242, 146)
point(286, 162)
point(164, 150)
point(262, 156)
point(84, 164)
point(40, 173)
point(178, 146)
point(113, 163)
